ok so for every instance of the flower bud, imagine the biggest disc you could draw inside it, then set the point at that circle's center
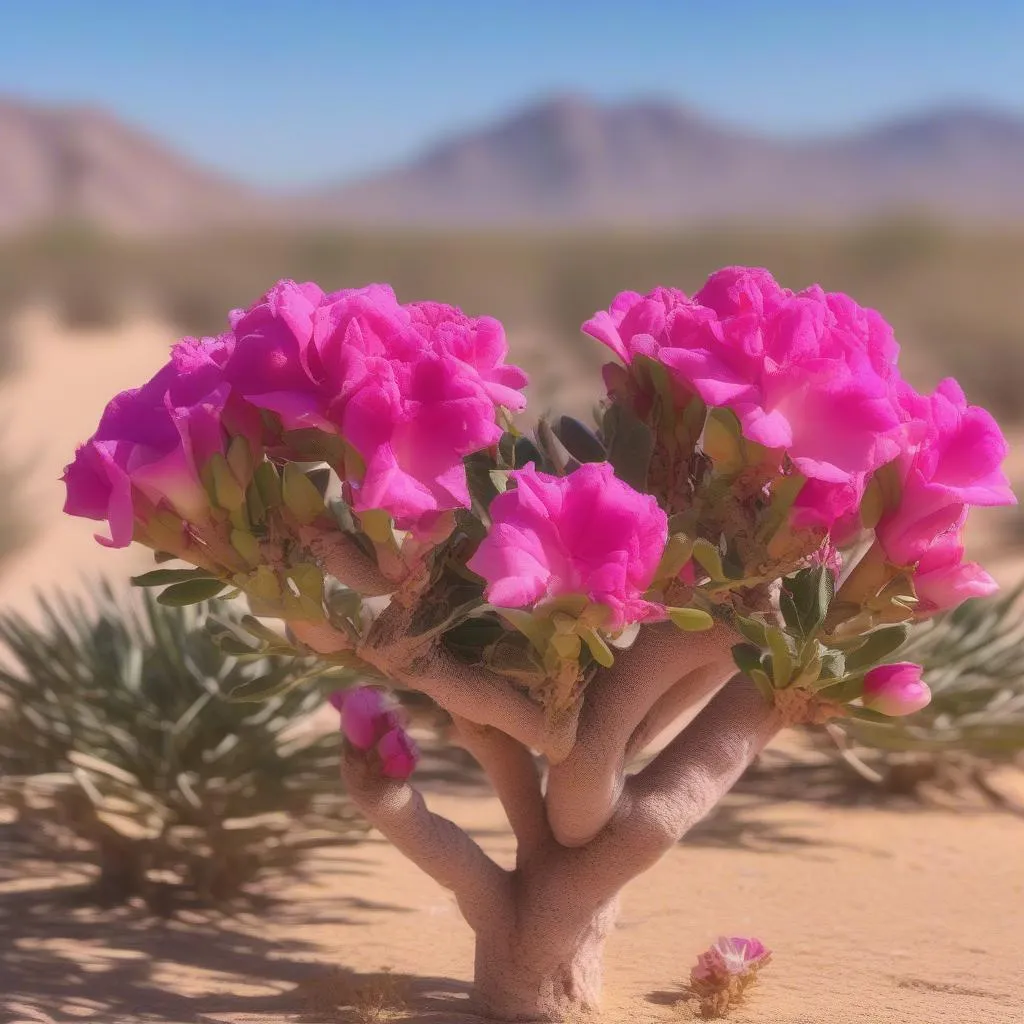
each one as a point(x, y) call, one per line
point(896, 689)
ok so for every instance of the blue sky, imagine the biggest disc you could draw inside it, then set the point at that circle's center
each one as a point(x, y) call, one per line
point(297, 91)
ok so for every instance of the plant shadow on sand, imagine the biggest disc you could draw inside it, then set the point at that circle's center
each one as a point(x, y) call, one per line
point(65, 958)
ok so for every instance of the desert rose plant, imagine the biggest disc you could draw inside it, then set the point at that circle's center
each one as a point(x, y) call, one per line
point(760, 514)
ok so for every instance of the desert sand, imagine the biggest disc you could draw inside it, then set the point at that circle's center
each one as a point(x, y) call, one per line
point(875, 913)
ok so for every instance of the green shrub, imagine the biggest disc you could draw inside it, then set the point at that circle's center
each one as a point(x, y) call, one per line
point(116, 737)
point(973, 660)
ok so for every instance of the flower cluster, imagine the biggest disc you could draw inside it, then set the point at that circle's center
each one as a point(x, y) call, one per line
point(760, 461)
point(393, 396)
point(410, 389)
point(812, 381)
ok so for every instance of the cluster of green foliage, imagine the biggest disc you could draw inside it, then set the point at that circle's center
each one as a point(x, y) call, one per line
point(116, 737)
point(973, 660)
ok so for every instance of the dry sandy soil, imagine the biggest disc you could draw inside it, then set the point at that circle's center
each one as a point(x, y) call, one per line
point(875, 914)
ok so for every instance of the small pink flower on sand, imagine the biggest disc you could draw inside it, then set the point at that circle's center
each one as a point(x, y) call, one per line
point(896, 690)
point(724, 972)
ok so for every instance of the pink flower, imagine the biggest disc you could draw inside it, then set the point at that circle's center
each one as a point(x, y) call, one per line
point(152, 443)
point(896, 690)
point(366, 715)
point(955, 462)
point(398, 754)
point(943, 580)
point(412, 389)
point(478, 343)
point(587, 533)
point(371, 722)
point(811, 374)
point(413, 424)
point(728, 958)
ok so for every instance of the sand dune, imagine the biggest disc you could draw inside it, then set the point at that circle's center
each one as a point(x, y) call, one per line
point(50, 404)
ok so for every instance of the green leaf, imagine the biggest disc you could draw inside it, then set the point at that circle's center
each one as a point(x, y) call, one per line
point(268, 484)
point(580, 442)
point(500, 480)
point(867, 715)
point(376, 524)
point(806, 598)
point(842, 691)
point(709, 558)
point(191, 592)
point(228, 492)
point(878, 646)
point(763, 684)
point(240, 459)
point(833, 665)
point(164, 577)
point(255, 691)
point(692, 620)
point(782, 658)
point(677, 553)
point(723, 440)
point(300, 495)
point(752, 629)
point(247, 546)
point(315, 445)
point(747, 658)
point(231, 644)
point(526, 451)
point(630, 446)
point(601, 652)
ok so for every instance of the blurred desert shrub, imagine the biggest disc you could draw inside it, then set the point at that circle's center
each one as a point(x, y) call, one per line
point(973, 659)
point(116, 740)
point(14, 525)
point(954, 297)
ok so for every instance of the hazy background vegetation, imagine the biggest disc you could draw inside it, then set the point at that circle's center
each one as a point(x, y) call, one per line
point(955, 296)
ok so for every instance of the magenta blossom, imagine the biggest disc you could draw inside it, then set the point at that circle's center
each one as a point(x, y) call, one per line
point(478, 343)
point(366, 715)
point(411, 389)
point(811, 374)
point(398, 754)
point(370, 721)
point(152, 443)
point(587, 534)
point(413, 425)
point(728, 958)
point(943, 580)
point(955, 463)
point(896, 690)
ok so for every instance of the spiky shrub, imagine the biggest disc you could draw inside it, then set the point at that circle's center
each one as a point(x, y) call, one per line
point(762, 491)
point(973, 660)
point(116, 731)
point(14, 529)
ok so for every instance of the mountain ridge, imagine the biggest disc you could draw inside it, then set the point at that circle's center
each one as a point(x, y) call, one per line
point(567, 161)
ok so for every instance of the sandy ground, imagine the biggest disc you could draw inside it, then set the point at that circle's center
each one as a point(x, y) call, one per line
point(875, 914)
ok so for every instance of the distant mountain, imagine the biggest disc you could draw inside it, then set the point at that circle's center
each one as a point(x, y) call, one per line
point(563, 163)
point(571, 161)
point(82, 164)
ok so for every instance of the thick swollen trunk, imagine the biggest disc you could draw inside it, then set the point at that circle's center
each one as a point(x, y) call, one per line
point(544, 965)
